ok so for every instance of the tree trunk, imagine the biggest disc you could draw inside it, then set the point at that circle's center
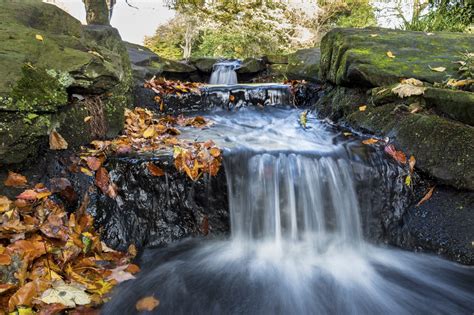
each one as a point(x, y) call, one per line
point(97, 12)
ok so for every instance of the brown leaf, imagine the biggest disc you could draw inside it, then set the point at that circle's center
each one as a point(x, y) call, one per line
point(5, 260)
point(362, 108)
point(52, 309)
point(412, 163)
point(4, 204)
point(28, 194)
point(155, 170)
point(102, 179)
point(56, 141)
point(15, 180)
point(25, 295)
point(426, 197)
point(132, 250)
point(215, 152)
point(93, 163)
point(148, 303)
point(396, 155)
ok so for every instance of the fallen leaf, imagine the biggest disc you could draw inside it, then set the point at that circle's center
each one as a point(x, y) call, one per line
point(132, 250)
point(15, 180)
point(374, 35)
point(304, 118)
point(370, 141)
point(28, 194)
point(120, 275)
point(426, 197)
point(149, 132)
point(25, 294)
point(396, 155)
point(405, 90)
point(390, 54)
point(56, 141)
point(408, 180)
point(412, 81)
point(66, 294)
point(39, 37)
point(5, 260)
point(148, 303)
point(429, 34)
point(231, 98)
point(87, 119)
point(102, 179)
point(4, 204)
point(93, 163)
point(86, 171)
point(362, 108)
point(347, 134)
point(438, 69)
point(155, 170)
point(412, 162)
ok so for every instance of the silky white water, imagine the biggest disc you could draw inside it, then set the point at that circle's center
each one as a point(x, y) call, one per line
point(224, 72)
point(296, 244)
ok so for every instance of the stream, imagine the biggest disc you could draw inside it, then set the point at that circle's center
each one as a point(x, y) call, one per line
point(298, 243)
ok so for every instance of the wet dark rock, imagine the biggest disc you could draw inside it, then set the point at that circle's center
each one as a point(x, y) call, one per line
point(443, 225)
point(153, 211)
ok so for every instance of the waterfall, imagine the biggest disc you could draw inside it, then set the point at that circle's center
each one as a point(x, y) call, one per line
point(292, 198)
point(224, 72)
point(296, 244)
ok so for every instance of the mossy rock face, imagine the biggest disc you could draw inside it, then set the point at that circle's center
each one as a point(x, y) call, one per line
point(276, 59)
point(251, 65)
point(458, 105)
point(47, 56)
point(443, 148)
point(304, 64)
point(204, 64)
point(358, 57)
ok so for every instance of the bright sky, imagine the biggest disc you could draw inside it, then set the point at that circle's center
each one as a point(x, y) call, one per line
point(132, 24)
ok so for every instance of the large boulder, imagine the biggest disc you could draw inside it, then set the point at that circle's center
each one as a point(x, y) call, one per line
point(358, 57)
point(48, 56)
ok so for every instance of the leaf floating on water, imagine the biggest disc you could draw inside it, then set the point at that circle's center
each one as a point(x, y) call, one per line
point(231, 98)
point(304, 119)
point(148, 303)
point(15, 180)
point(396, 155)
point(411, 163)
point(426, 197)
point(438, 69)
point(362, 108)
point(155, 170)
point(390, 54)
point(56, 141)
point(120, 274)
point(370, 141)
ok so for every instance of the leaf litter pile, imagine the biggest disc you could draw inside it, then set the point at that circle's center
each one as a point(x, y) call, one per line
point(53, 261)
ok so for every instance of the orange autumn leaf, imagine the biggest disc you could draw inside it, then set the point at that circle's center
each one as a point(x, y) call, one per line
point(396, 155)
point(93, 163)
point(15, 180)
point(102, 179)
point(426, 197)
point(148, 303)
point(411, 163)
point(5, 260)
point(155, 170)
point(28, 194)
point(25, 295)
point(370, 141)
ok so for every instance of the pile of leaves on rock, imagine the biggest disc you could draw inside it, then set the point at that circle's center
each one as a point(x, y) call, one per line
point(163, 87)
point(50, 260)
point(145, 133)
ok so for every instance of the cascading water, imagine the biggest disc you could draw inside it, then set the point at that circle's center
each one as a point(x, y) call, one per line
point(296, 245)
point(224, 72)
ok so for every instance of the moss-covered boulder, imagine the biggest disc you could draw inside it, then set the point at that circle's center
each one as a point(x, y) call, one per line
point(304, 64)
point(376, 56)
point(47, 57)
point(443, 148)
point(252, 66)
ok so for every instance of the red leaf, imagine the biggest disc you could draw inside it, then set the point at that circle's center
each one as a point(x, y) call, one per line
point(396, 155)
point(155, 170)
point(102, 179)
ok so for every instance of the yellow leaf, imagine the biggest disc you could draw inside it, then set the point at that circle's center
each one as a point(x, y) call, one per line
point(374, 35)
point(438, 69)
point(347, 134)
point(39, 37)
point(86, 171)
point(56, 141)
point(362, 108)
point(405, 90)
point(412, 81)
point(149, 132)
point(390, 54)
point(408, 180)
point(87, 119)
